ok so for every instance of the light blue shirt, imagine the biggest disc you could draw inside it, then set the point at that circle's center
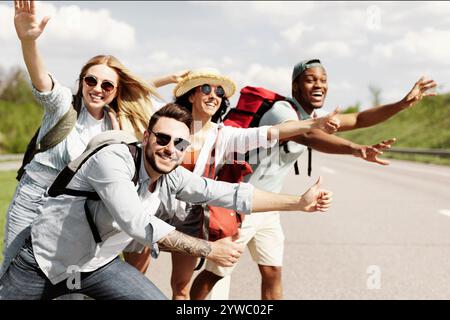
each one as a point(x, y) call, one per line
point(61, 236)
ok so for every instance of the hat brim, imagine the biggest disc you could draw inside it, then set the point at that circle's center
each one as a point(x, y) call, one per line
point(198, 79)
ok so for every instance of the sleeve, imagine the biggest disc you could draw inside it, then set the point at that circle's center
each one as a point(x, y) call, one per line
point(241, 140)
point(57, 101)
point(280, 112)
point(109, 173)
point(194, 189)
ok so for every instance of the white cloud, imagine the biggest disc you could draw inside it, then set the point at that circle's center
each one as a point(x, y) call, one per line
point(6, 22)
point(338, 48)
point(425, 46)
point(71, 24)
point(294, 33)
point(273, 78)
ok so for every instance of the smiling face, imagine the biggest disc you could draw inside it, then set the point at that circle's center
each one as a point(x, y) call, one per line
point(164, 159)
point(94, 96)
point(204, 106)
point(310, 88)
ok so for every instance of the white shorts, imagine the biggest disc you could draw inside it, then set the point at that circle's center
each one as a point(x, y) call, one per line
point(264, 237)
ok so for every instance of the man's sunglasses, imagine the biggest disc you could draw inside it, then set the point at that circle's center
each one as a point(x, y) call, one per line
point(164, 139)
point(92, 81)
point(206, 89)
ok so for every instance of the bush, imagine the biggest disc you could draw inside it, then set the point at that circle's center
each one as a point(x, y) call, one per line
point(18, 124)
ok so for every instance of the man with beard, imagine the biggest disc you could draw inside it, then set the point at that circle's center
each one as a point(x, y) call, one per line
point(62, 239)
point(263, 233)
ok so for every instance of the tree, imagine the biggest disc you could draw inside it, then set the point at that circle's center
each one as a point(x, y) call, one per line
point(352, 109)
point(16, 87)
point(375, 95)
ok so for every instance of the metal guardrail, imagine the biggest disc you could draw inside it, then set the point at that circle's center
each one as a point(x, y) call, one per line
point(428, 152)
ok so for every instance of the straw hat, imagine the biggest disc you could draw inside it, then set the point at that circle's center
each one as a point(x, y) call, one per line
point(202, 76)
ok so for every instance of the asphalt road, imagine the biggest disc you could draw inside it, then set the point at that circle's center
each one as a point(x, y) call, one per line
point(386, 237)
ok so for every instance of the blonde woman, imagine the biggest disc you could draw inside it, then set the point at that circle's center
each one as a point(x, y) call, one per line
point(108, 97)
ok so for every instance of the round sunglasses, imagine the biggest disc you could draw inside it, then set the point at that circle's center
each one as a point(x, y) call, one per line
point(164, 139)
point(206, 89)
point(106, 85)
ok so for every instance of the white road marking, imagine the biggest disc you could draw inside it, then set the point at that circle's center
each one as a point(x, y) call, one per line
point(328, 170)
point(445, 212)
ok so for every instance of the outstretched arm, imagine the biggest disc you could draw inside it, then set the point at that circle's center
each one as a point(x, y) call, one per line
point(328, 143)
point(314, 199)
point(168, 79)
point(290, 129)
point(376, 115)
point(28, 30)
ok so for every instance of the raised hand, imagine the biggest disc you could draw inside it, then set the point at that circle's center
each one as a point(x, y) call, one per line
point(421, 89)
point(316, 199)
point(329, 124)
point(371, 153)
point(27, 27)
point(178, 76)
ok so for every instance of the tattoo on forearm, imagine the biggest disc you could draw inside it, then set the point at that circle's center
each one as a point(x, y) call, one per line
point(179, 242)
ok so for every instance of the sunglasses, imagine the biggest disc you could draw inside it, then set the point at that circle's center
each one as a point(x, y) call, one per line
point(206, 89)
point(163, 140)
point(92, 81)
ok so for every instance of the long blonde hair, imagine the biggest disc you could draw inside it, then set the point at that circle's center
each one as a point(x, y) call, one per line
point(132, 103)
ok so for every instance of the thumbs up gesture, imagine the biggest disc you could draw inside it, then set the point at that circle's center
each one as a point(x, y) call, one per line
point(316, 198)
point(329, 124)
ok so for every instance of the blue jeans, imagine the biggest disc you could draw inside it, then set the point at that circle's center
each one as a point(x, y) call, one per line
point(21, 213)
point(117, 280)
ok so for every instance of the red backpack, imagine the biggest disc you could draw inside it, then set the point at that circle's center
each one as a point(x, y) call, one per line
point(253, 103)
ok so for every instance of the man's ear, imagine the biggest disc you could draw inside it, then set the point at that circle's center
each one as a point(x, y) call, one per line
point(145, 138)
point(294, 87)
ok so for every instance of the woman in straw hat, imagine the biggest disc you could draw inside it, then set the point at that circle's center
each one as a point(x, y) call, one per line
point(108, 97)
point(205, 92)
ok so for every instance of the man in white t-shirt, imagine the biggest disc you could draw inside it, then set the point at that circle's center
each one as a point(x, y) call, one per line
point(263, 233)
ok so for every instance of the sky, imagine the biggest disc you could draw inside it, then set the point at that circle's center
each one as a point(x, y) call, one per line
point(386, 45)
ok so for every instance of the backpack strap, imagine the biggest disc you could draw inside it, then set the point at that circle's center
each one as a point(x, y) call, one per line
point(297, 172)
point(54, 136)
point(210, 172)
point(59, 186)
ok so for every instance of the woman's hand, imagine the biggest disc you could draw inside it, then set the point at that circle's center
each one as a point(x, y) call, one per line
point(27, 27)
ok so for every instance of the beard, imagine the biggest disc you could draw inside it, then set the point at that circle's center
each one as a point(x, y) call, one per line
point(151, 160)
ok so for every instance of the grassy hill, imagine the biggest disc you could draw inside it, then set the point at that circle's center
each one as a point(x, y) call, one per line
point(425, 125)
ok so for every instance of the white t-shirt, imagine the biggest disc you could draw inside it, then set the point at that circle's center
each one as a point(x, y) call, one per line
point(273, 165)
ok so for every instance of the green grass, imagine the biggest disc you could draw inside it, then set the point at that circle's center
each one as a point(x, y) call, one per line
point(425, 125)
point(18, 122)
point(8, 184)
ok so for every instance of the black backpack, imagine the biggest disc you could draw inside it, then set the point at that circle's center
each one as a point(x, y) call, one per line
point(100, 141)
point(54, 136)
